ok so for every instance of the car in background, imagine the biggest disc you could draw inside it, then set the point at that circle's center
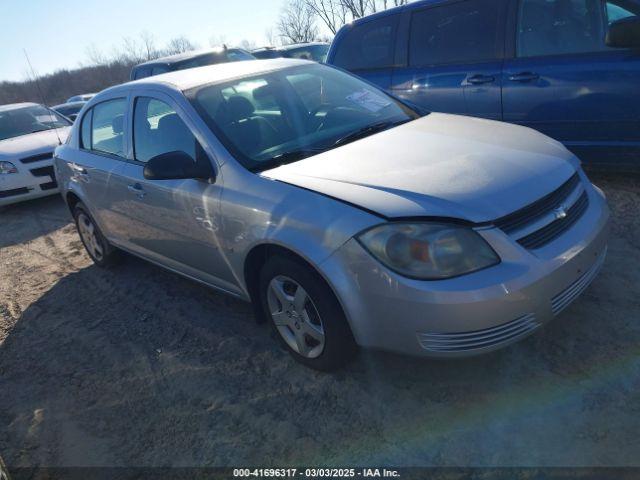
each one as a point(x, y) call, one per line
point(29, 133)
point(194, 59)
point(567, 68)
point(85, 97)
point(69, 110)
point(347, 217)
point(316, 51)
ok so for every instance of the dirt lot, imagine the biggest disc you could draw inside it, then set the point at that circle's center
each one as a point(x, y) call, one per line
point(137, 366)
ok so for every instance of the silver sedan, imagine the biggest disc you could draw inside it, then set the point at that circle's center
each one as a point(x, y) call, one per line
point(347, 217)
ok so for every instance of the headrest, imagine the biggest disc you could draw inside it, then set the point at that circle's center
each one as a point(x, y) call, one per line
point(117, 124)
point(239, 108)
point(263, 92)
point(170, 122)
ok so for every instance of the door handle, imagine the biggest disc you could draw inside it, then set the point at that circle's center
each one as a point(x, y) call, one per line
point(420, 84)
point(137, 189)
point(524, 77)
point(479, 79)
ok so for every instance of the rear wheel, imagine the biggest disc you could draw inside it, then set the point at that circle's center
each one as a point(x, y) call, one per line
point(305, 314)
point(98, 248)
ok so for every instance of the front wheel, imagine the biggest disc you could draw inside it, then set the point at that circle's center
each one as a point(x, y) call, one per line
point(305, 314)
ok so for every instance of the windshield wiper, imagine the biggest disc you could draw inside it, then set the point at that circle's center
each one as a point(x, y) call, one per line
point(287, 157)
point(368, 130)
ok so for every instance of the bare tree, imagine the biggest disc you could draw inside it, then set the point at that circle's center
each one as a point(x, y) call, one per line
point(180, 44)
point(148, 48)
point(332, 13)
point(335, 13)
point(297, 22)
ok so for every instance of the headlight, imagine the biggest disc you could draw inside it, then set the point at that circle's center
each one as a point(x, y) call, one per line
point(428, 251)
point(7, 168)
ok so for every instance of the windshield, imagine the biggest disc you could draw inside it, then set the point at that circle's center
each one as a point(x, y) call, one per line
point(26, 120)
point(317, 53)
point(283, 116)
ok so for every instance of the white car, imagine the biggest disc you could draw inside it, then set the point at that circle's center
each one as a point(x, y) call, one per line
point(29, 133)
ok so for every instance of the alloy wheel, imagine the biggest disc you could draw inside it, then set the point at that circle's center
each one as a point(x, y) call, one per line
point(295, 316)
point(89, 236)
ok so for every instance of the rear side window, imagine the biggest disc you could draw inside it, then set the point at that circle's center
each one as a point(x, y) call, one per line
point(368, 45)
point(158, 129)
point(141, 72)
point(107, 127)
point(85, 130)
point(557, 27)
point(461, 32)
point(158, 70)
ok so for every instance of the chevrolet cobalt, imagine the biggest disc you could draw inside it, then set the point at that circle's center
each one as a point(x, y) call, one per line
point(347, 217)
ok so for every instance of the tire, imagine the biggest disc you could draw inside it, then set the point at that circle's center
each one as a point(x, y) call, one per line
point(310, 322)
point(99, 249)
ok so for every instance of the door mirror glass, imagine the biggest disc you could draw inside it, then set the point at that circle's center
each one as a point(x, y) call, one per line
point(176, 165)
point(624, 33)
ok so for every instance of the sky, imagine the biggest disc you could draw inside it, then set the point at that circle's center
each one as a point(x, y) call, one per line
point(57, 33)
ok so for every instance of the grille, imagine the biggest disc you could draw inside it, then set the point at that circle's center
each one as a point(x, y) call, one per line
point(538, 209)
point(15, 191)
point(569, 294)
point(43, 171)
point(538, 223)
point(37, 158)
point(479, 339)
point(46, 172)
point(555, 228)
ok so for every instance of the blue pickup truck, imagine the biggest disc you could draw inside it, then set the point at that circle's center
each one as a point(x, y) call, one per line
point(568, 68)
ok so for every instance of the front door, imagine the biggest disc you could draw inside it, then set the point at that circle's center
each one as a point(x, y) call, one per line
point(564, 81)
point(174, 222)
point(454, 58)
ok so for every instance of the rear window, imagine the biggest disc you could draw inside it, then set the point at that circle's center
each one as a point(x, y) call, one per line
point(460, 32)
point(368, 45)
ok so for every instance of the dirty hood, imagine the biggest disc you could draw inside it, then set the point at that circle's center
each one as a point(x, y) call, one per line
point(439, 165)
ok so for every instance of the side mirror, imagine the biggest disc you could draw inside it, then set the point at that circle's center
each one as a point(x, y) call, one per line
point(176, 165)
point(624, 33)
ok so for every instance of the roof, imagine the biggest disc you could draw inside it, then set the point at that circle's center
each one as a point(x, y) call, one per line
point(301, 45)
point(289, 47)
point(70, 104)
point(184, 56)
point(221, 72)
point(15, 106)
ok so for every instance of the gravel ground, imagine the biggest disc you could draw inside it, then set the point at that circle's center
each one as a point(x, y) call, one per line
point(137, 366)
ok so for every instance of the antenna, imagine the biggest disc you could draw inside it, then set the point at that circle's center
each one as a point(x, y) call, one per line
point(37, 80)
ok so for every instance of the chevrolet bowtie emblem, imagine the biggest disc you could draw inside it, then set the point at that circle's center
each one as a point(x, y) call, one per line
point(560, 212)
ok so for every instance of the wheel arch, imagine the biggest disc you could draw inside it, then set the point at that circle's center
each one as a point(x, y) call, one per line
point(258, 256)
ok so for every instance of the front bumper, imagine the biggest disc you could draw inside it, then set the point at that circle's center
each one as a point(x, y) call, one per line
point(473, 313)
point(32, 181)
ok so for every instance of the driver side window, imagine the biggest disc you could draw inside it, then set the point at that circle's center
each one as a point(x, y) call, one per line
point(158, 129)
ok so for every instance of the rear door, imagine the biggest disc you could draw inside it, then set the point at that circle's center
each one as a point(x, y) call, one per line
point(367, 49)
point(453, 57)
point(100, 162)
point(564, 81)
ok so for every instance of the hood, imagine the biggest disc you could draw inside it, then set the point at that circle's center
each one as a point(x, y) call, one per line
point(31, 144)
point(439, 165)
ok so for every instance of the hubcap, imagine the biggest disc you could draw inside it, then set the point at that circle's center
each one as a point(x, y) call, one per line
point(88, 236)
point(295, 316)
